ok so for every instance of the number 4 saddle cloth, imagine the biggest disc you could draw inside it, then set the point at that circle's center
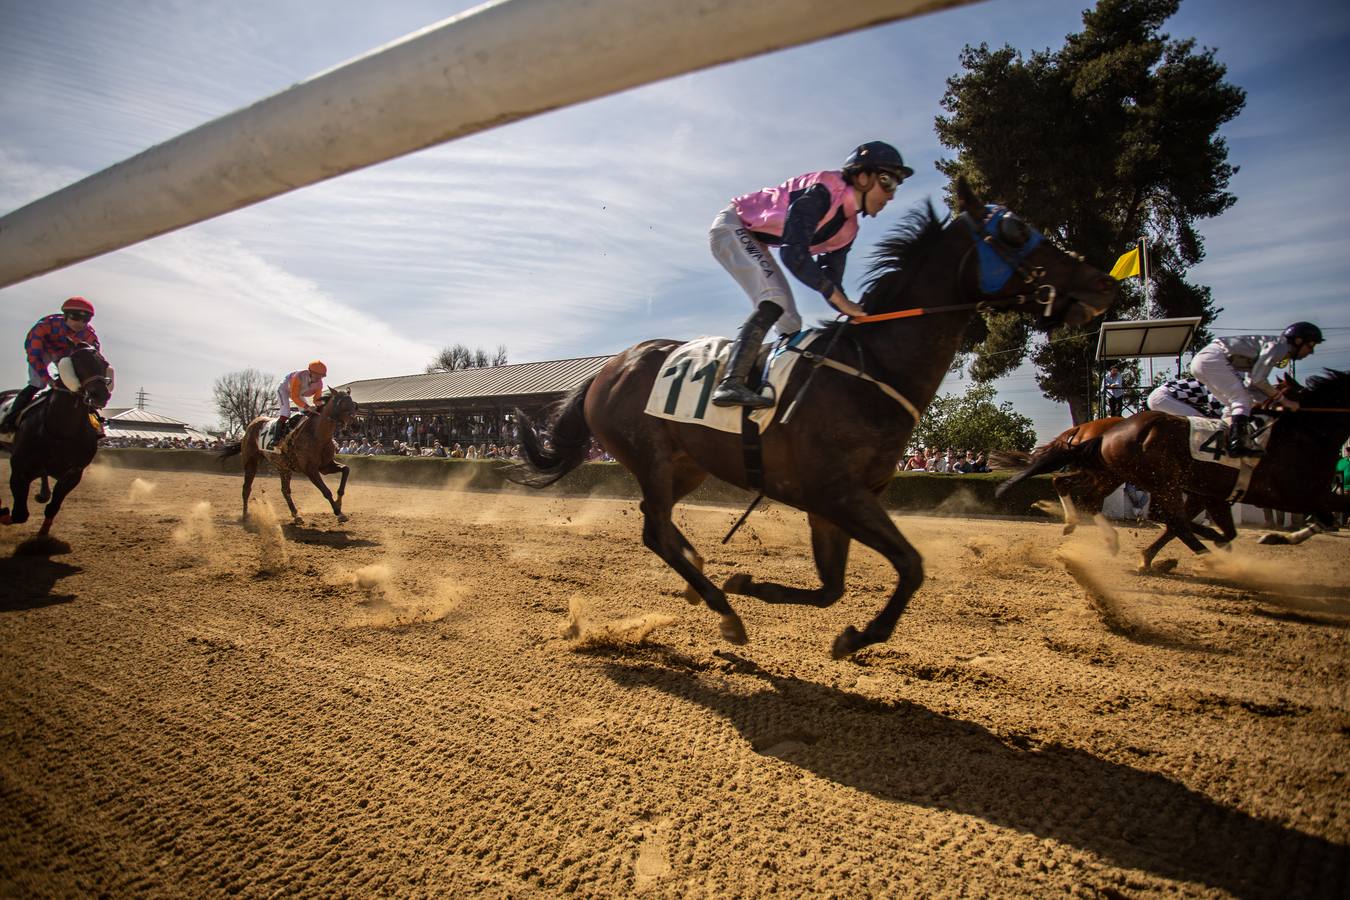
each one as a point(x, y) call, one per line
point(1209, 441)
point(683, 389)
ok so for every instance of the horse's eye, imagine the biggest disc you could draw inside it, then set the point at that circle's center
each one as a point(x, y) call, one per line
point(1013, 231)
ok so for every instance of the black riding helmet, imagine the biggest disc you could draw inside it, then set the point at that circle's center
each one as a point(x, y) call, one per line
point(877, 156)
point(1304, 333)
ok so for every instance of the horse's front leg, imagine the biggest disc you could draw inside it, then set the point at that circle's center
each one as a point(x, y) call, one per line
point(331, 469)
point(860, 514)
point(44, 491)
point(65, 483)
point(829, 543)
point(317, 480)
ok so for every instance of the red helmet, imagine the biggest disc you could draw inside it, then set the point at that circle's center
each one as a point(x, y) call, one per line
point(78, 303)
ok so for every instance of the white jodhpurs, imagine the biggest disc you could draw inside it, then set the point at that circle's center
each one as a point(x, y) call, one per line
point(1161, 401)
point(753, 267)
point(1212, 369)
point(284, 400)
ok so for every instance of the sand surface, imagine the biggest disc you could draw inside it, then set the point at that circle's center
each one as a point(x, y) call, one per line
point(392, 706)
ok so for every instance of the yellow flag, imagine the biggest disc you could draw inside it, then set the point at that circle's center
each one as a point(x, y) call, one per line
point(1127, 266)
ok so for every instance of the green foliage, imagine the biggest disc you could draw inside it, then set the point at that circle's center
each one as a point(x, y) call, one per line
point(973, 422)
point(1112, 136)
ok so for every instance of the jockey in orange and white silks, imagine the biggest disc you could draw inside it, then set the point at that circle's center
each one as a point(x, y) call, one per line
point(300, 388)
point(813, 219)
point(1221, 365)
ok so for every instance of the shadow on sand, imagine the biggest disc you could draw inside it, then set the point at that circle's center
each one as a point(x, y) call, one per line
point(26, 582)
point(337, 539)
point(905, 753)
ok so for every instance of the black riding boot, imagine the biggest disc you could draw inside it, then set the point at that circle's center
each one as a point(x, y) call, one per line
point(1240, 440)
point(20, 401)
point(283, 429)
point(731, 391)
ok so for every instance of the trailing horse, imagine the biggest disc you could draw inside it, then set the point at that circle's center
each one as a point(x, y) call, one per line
point(59, 434)
point(847, 433)
point(308, 448)
point(1153, 451)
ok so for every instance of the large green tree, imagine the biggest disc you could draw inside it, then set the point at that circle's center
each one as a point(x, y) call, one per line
point(1111, 137)
point(973, 422)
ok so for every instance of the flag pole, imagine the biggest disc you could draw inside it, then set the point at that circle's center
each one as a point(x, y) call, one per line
point(1143, 263)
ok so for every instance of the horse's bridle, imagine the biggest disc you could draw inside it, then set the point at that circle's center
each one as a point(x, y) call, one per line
point(991, 243)
point(82, 390)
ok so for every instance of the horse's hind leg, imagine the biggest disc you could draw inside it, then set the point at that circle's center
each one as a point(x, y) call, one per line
point(286, 492)
point(830, 546)
point(250, 472)
point(44, 491)
point(661, 536)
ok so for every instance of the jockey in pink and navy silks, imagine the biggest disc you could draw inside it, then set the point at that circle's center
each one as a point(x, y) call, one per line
point(52, 338)
point(813, 220)
point(1222, 364)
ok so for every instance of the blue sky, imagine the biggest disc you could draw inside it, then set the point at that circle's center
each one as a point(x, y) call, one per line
point(583, 231)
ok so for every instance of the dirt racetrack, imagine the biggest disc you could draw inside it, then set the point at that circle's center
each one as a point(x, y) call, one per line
point(391, 707)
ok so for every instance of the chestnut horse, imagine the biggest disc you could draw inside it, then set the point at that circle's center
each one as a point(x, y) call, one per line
point(1152, 450)
point(59, 435)
point(308, 448)
point(846, 433)
point(1086, 490)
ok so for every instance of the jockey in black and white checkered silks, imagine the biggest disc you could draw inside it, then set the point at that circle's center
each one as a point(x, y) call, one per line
point(1221, 365)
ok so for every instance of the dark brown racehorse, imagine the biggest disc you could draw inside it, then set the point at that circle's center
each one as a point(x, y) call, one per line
point(59, 436)
point(309, 449)
point(846, 435)
point(1152, 450)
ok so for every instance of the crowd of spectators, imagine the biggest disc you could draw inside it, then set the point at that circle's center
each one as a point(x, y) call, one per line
point(945, 462)
point(163, 443)
point(361, 446)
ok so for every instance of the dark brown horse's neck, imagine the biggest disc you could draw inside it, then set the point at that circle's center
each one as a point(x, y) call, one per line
point(913, 355)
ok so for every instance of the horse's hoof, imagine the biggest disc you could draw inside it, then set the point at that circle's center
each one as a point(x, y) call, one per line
point(733, 629)
point(848, 642)
point(5, 519)
point(1165, 566)
point(341, 517)
point(42, 497)
point(691, 595)
point(739, 583)
point(1068, 529)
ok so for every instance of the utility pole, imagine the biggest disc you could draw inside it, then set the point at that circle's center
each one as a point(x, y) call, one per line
point(140, 398)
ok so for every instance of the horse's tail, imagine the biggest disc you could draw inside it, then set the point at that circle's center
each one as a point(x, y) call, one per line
point(567, 446)
point(230, 450)
point(1051, 457)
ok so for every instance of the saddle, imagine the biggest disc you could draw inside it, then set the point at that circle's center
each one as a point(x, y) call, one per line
point(8, 403)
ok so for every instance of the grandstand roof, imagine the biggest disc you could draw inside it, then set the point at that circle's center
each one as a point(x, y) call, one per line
point(543, 379)
point(136, 414)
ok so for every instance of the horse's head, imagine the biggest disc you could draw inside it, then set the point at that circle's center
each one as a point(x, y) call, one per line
point(87, 374)
point(1015, 267)
point(339, 406)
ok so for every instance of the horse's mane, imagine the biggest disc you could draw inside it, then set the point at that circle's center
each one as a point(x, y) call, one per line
point(908, 240)
point(1330, 389)
point(893, 260)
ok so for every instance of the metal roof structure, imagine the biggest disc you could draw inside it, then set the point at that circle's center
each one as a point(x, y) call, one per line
point(1151, 337)
point(482, 387)
point(135, 422)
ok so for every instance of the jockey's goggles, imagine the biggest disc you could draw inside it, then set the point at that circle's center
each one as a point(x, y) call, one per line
point(79, 315)
point(889, 181)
